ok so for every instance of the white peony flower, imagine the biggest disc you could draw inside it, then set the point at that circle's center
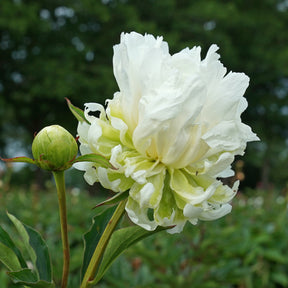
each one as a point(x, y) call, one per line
point(172, 129)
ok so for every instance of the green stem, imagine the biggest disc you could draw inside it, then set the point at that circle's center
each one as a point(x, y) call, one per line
point(60, 184)
point(101, 246)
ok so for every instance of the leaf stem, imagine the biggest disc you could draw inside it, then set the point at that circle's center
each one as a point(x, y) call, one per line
point(101, 246)
point(60, 185)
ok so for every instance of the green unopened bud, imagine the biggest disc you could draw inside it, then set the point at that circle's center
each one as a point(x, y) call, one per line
point(54, 148)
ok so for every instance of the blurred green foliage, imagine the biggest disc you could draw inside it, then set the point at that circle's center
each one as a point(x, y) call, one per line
point(54, 49)
point(245, 249)
point(40, 210)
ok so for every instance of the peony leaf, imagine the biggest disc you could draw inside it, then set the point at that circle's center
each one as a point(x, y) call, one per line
point(28, 278)
point(9, 258)
point(91, 238)
point(77, 112)
point(119, 242)
point(96, 158)
point(24, 236)
point(19, 159)
point(115, 199)
point(43, 262)
point(6, 240)
point(36, 248)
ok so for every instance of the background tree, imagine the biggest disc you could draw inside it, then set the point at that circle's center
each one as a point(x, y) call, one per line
point(54, 49)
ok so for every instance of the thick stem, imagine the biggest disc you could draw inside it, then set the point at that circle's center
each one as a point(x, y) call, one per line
point(60, 184)
point(101, 246)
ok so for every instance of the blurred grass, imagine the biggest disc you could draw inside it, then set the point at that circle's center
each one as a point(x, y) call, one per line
point(245, 249)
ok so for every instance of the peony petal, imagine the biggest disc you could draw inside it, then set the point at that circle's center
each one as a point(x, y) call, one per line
point(216, 165)
point(132, 56)
point(149, 195)
point(216, 213)
point(228, 136)
point(90, 174)
point(92, 107)
point(224, 193)
point(106, 182)
point(139, 216)
point(188, 190)
point(226, 100)
point(192, 212)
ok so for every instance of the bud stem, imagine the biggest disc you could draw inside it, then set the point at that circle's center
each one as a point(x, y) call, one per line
point(101, 246)
point(60, 185)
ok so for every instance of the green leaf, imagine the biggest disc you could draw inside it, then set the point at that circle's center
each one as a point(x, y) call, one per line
point(24, 275)
point(43, 262)
point(7, 241)
point(280, 278)
point(36, 248)
point(9, 258)
point(91, 238)
point(275, 255)
point(96, 158)
point(28, 278)
point(119, 242)
point(115, 199)
point(77, 112)
point(19, 159)
point(24, 236)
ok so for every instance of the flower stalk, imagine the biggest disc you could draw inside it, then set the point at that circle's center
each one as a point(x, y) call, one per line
point(60, 185)
point(90, 273)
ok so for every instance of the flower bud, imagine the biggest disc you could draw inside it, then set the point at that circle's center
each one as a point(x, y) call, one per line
point(54, 148)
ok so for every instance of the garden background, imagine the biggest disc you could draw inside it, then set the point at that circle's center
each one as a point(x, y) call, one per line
point(52, 49)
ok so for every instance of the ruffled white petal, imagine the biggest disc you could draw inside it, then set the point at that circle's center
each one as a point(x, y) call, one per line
point(139, 215)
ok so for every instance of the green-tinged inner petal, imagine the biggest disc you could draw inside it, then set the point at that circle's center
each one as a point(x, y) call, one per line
point(110, 179)
point(167, 211)
point(224, 193)
point(138, 167)
point(139, 163)
point(140, 216)
point(187, 189)
point(109, 138)
point(116, 117)
point(109, 132)
point(149, 195)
